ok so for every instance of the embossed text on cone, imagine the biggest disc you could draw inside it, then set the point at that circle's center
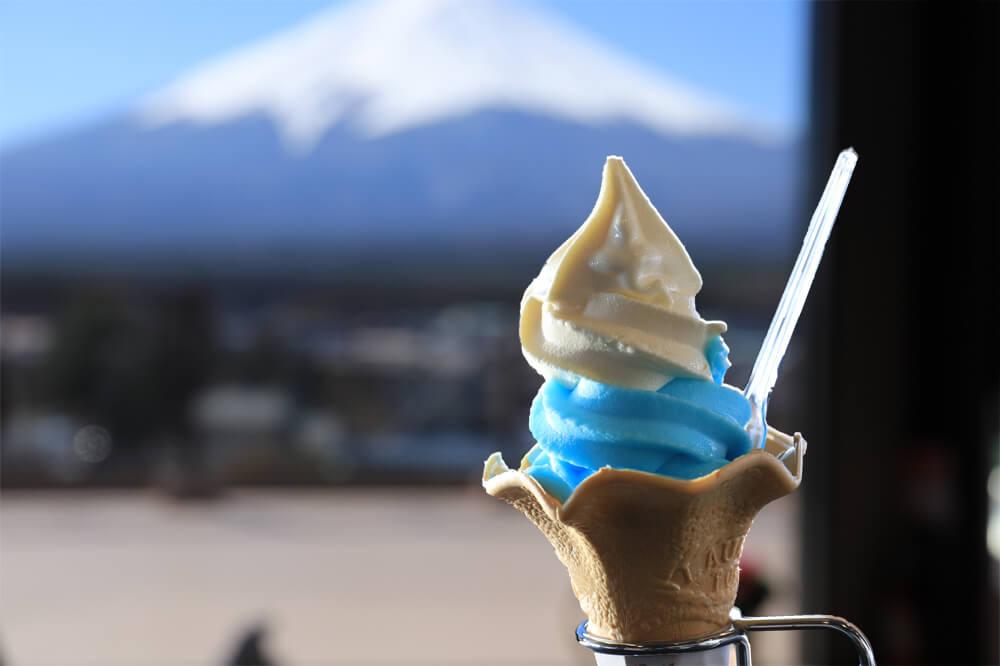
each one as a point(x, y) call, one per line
point(653, 558)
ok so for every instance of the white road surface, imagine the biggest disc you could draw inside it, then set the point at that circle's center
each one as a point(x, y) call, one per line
point(340, 577)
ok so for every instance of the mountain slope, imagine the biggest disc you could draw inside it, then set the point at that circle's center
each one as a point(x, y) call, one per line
point(234, 191)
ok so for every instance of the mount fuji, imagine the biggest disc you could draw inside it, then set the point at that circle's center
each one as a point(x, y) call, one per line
point(395, 138)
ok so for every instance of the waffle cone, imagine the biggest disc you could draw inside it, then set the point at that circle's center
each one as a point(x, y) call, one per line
point(652, 558)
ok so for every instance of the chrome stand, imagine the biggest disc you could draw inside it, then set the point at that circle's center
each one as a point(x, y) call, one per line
point(730, 647)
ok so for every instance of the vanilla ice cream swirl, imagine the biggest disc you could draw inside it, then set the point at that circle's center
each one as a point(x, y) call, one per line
point(615, 303)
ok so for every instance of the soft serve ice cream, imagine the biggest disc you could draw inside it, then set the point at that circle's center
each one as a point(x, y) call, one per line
point(633, 373)
point(615, 302)
point(643, 477)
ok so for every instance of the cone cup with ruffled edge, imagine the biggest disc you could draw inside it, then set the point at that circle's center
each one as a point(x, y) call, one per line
point(653, 558)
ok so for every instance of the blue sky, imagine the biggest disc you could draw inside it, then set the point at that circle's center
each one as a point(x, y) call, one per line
point(64, 63)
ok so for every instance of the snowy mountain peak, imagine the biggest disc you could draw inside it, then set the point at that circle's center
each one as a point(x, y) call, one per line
point(392, 65)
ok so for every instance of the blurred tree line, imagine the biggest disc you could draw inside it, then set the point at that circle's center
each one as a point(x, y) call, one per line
point(132, 371)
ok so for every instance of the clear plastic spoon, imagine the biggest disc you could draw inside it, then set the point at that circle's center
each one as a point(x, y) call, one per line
point(765, 368)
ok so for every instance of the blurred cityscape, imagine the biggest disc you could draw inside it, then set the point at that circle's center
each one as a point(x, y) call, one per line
point(193, 388)
point(183, 386)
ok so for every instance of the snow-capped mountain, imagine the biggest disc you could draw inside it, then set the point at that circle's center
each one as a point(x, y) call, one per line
point(392, 134)
point(396, 65)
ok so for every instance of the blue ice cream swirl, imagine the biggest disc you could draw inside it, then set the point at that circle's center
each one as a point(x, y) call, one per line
point(686, 429)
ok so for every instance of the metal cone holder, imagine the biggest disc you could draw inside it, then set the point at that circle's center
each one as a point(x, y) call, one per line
point(730, 647)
